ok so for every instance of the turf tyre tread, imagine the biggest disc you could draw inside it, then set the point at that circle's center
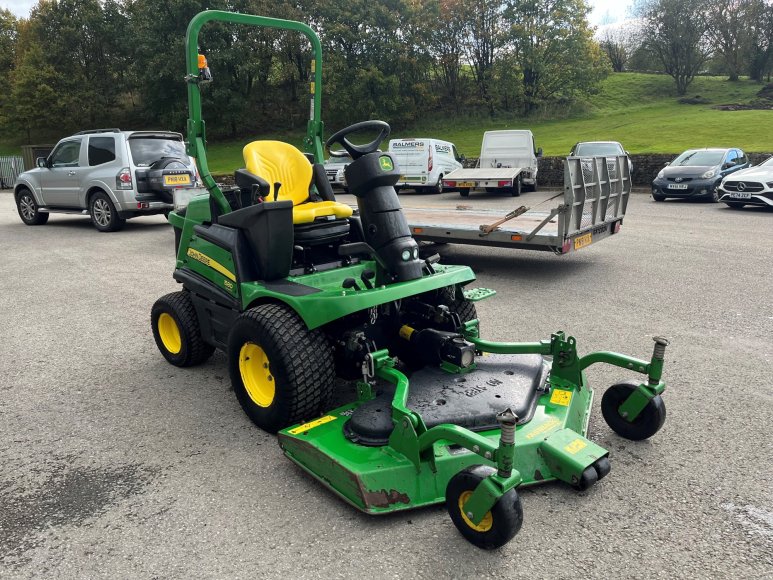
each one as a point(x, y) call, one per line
point(301, 362)
point(180, 306)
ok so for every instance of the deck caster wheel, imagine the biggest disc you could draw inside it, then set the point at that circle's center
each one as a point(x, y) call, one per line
point(498, 526)
point(282, 372)
point(177, 332)
point(589, 477)
point(649, 421)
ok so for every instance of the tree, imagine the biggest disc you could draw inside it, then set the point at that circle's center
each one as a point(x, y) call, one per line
point(759, 39)
point(554, 46)
point(675, 31)
point(727, 30)
point(619, 41)
point(483, 37)
point(8, 38)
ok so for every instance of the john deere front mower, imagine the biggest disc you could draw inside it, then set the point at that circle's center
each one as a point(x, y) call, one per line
point(302, 294)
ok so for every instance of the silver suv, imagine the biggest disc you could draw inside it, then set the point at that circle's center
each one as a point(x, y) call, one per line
point(109, 174)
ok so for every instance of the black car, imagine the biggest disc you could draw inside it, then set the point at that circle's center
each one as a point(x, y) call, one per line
point(697, 173)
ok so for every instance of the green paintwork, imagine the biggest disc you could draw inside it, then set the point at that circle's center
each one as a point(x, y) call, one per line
point(333, 302)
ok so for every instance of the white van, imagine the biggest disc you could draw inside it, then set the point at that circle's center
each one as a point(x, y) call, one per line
point(424, 162)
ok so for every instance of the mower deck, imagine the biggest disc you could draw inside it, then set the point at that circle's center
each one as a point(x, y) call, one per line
point(377, 479)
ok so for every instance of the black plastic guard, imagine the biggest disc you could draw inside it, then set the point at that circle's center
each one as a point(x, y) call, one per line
point(470, 400)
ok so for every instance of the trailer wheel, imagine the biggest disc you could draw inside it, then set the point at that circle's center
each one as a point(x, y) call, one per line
point(498, 526)
point(281, 372)
point(177, 332)
point(646, 424)
point(464, 192)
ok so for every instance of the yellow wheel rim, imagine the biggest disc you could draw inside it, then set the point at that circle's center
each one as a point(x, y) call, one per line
point(484, 525)
point(256, 374)
point(169, 333)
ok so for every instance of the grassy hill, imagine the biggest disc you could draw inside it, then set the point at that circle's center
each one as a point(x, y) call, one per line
point(641, 111)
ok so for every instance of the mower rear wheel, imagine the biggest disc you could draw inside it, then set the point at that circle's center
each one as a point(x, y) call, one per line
point(281, 372)
point(498, 526)
point(645, 425)
point(177, 332)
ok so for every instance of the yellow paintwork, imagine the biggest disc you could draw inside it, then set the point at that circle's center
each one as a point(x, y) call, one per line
point(280, 162)
point(484, 525)
point(169, 333)
point(256, 374)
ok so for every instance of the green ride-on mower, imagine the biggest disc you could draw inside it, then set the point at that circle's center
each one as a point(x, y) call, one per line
point(300, 293)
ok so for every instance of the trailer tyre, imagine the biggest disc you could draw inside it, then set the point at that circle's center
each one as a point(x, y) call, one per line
point(464, 192)
point(498, 526)
point(281, 372)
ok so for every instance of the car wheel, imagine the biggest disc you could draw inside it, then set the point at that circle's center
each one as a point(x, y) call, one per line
point(658, 197)
point(103, 213)
point(735, 205)
point(516, 192)
point(713, 197)
point(29, 212)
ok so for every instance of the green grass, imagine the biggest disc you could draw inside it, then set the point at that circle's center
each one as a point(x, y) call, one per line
point(641, 111)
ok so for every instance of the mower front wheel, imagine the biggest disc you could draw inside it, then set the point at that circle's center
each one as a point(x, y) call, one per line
point(177, 332)
point(645, 425)
point(498, 526)
point(281, 372)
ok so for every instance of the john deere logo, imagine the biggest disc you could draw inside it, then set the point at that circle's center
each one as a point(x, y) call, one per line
point(386, 163)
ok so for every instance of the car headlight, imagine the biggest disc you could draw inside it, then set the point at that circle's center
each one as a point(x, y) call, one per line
point(661, 174)
point(709, 174)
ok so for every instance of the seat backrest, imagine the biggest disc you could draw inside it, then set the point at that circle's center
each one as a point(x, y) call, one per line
point(278, 161)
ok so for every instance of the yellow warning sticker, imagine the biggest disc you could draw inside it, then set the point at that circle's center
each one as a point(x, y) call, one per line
point(311, 424)
point(575, 446)
point(560, 397)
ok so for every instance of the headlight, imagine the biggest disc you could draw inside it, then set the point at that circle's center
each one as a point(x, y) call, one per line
point(709, 174)
point(661, 174)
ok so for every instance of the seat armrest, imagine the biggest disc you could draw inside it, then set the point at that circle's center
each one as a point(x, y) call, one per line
point(323, 185)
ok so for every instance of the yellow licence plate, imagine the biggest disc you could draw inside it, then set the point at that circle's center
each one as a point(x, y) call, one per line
point(465, 184)
point(184, 179)
point(583, 240)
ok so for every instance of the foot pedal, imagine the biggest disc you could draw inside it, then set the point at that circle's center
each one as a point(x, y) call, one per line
point(476, 294)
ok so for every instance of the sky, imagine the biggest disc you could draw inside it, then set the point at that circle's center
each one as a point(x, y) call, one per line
point(603, 10)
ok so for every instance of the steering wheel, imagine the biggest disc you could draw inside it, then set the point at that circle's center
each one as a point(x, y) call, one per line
point(357, 151)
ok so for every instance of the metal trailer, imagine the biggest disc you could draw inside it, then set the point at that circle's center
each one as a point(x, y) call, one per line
point(10, 168)
point(595, 198)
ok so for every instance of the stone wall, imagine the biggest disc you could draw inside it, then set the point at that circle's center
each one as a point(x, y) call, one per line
point(645, 167)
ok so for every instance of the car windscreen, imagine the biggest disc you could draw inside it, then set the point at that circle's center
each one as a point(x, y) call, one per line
point(507, 141)
point(148, 150)
point(591, 149)
point(699, 158)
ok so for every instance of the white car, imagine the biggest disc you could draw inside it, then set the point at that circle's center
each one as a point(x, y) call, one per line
point(752, 186)
point(334, 169)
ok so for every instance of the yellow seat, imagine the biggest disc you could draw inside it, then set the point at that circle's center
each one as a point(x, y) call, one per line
point(276, 161)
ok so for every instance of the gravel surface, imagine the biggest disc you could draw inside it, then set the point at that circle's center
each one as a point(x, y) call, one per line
point(115, 464)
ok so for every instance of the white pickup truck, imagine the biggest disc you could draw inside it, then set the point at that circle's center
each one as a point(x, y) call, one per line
point(507, 163)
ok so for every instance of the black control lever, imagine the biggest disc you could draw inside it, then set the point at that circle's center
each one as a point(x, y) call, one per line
point(350, 283)
point(355, 248)
point(277, 185)
point(366, 277)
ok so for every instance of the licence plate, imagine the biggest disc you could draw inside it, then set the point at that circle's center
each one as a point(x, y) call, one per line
point(184, 179)
point(740, 195)
point(465, 184)
point(583, 240)
point(677, 186)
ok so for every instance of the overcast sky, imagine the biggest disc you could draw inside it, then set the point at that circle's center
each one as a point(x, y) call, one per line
point(612, 10)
